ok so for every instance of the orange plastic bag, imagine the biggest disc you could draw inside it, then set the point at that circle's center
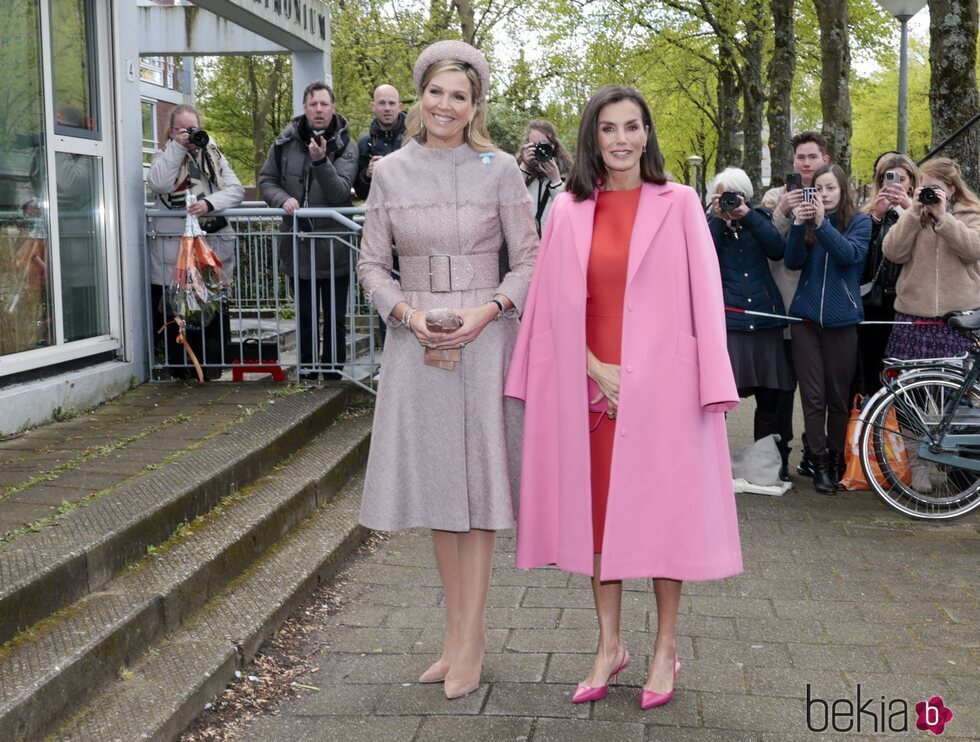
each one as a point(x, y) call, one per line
point(853, 478)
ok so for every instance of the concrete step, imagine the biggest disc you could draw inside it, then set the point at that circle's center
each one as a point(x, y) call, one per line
point(45, 571)
point(55, 668)
point(169, 686)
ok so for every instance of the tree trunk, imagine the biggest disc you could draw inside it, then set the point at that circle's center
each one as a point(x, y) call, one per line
point(467, 20)
point(782, 69)
point(728, 114)
point(752, 92)
point(835, 57)
point(953, 95)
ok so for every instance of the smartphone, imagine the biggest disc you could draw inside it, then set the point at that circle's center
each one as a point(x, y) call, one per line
point(809, 195)
point(892, 177)
point(793, 181)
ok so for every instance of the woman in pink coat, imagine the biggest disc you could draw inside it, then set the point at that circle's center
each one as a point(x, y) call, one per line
point(622, 364)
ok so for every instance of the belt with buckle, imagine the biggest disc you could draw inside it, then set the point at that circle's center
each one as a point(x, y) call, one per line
point(444, 273)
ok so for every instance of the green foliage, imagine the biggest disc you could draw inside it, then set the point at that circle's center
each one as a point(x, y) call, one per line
point(233, 92)
point(874, 101)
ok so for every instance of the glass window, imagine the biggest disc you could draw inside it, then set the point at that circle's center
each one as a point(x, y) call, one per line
point(25, 291)
point(149, 110)
point(170, 72)
point(151, 70)
point(81, 242)
point(74, 71)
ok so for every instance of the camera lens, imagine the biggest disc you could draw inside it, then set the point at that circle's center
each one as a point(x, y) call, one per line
point(543, 151)
point(728, 201)
point(198, 137)
point(928, 196)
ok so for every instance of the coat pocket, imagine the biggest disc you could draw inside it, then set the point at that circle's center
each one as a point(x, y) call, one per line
point(848, 292)
point(687, 348)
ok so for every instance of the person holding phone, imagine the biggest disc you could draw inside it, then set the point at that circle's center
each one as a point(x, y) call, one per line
point(313, 163)
point(896, 178)
point(827, 243)
point(809, 155)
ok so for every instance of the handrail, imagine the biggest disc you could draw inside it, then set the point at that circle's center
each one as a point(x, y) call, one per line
point(950, 139)
point(336, 214)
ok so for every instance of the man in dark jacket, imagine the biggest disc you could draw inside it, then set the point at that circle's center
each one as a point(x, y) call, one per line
point(384, 137)
point(313, 164)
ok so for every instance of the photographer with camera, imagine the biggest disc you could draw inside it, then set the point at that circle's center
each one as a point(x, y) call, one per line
point(190, 168)
point(745, 241)
point(896, 178)
point(544, 162)
point(314, 163)
point(827, 243)
point(937, 243)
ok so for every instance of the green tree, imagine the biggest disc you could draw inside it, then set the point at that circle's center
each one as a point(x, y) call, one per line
point(244, 102)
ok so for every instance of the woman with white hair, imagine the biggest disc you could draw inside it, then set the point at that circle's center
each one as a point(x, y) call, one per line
point(745, 240)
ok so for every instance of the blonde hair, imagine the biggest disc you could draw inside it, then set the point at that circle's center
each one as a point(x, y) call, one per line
point(944, 169)
point(476, 133)
point(891, 162)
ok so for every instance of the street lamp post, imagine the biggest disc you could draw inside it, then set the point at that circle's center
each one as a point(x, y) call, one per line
point(695, 162)
point(903, 10)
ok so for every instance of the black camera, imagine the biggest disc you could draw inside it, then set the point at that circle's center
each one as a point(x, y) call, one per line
point(929, 195)
point(544, 151)
point(198, 137)
point(728, 201)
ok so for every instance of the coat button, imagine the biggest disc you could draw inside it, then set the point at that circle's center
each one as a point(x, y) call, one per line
point(629, 307)
point(746, 275)
point(751, 327)
point(750, 301)
point(629, 369)
point(623, 432)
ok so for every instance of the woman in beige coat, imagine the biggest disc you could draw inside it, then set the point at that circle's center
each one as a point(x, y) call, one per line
point(445, 447)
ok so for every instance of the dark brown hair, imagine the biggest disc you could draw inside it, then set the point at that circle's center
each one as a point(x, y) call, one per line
point(809, 136)
point(589, 171)
point(846, 208)
point(318, 85)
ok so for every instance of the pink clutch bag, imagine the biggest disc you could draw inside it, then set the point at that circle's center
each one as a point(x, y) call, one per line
point(602, 404)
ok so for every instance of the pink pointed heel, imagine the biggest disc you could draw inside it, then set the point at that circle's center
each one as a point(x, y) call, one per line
point(651, 700)
point(585, 693)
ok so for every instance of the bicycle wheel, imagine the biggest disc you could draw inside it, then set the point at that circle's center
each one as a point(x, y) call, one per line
point(909, 418)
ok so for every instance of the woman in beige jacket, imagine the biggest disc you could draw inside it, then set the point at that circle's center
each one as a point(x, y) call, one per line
point(445, 446)
point(937, 242)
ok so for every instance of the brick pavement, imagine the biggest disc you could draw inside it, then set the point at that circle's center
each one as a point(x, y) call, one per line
point(837, 593)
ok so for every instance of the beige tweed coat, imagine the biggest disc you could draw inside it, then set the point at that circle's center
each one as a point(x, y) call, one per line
point(445, 450)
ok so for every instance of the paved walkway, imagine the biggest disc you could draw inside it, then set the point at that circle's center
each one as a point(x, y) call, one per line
point(838, 593)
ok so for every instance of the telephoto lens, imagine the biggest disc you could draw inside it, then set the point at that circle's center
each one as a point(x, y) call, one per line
point(198, 137)
point(543, 151)
point(928, 195)
point(728, 201)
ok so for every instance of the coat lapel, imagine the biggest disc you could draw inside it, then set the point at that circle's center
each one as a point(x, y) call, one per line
point(583, 217)
point(650, 215)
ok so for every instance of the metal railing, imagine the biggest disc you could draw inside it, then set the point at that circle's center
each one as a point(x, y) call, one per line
point(261, 324)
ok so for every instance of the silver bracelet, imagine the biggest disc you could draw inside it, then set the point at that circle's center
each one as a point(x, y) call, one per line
point(500, 307)
point(407, 317)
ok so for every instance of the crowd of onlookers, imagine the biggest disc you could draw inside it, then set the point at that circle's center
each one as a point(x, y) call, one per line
point(803, 268)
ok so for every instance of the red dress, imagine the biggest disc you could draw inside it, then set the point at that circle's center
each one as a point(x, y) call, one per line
point(615, 212)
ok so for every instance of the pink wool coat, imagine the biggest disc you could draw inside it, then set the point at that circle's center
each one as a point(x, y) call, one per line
point(671, 510)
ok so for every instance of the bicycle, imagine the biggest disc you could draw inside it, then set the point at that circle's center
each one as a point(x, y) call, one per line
point(936, 406)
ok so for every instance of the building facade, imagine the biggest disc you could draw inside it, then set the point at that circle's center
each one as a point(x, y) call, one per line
point(78, 122)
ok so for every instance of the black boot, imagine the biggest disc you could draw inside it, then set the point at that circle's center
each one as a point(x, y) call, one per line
point(822, 481)
point(784, 452)
point(805, 467)
point(835, 465)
